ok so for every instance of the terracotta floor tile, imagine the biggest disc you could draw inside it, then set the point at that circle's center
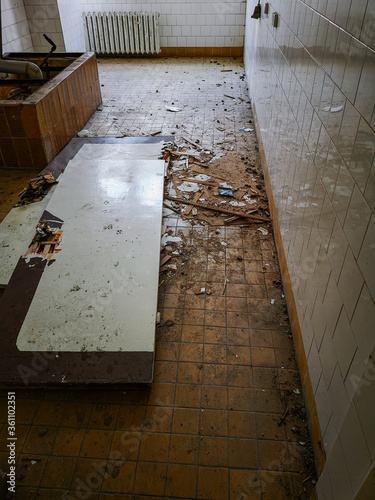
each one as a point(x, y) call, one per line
point(216, 275)
point(58, 472)
point(240, 399)
point(68, 441)
point(76, 414)
point(239, 355)
point(119, 477)
point(215, 335)
point(215, 303)
point(171, 314)
point(167, 351)
point(236, 304)
point(245, 483)
point(157, 419)
point(215, 374)
point(267, 401)
point(265, 378)
point(193, 317)
point(32, 469)
point(88, 475)
point(214, 397)
point(188, 396)
point(214, 353)
point(263, 356)
point(103, 416)
point(184, 449)
point(192, 334)
point(125, 445)
point(161, 394)
point(243, 453)
point(213, 451)
point(185, 421)
point(235, 290)
point(273, 455)
point(191, 352)
point(165, 371)
point(238, 336)
point(214, 423)
point(284, 358)
point(267, 427)
point(190, 373)
point(172, 300)
point(276, 485)
point(39, 440)
point(261, 338)
point(242, 425)
point(257, 291)
point(195, 301)
point(154, 447)
point(240, 376)
point(215, 318)
point(49, 413)
point(212, 483)
point(170, 333)
point(254, 266)
point(131, 417)
point(235, 277)
point(26, 409)
point(282, 340)
point(181, 481)
point(96, 444)
point(237, 320)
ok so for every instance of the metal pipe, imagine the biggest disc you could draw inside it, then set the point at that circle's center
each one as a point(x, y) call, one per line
point(29, 69)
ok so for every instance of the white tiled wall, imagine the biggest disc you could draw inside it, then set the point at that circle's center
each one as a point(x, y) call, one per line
point(72, 26)
point(15, 32)
point(43, 17)
point(193, 23)
point(313, 87)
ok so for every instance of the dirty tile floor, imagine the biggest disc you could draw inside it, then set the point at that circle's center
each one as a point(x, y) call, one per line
point(213, 424)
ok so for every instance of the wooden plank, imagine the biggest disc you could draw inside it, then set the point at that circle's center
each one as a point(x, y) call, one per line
point(256, 218)
point(195, 199)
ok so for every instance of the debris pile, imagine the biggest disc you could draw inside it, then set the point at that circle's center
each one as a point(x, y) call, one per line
point(36, 189)
point(207, 188)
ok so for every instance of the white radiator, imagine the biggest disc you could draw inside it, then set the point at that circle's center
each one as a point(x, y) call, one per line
point(122, 32)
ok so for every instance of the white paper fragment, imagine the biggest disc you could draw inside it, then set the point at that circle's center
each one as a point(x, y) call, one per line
point(173, 109)
point(248, 199)
point(263, 231)
point(188, 187)
point(273, 301)
point(166, 238)
point(202, 177)
point(237, 203)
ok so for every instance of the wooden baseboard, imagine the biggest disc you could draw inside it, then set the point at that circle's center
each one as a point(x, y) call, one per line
point(313, 421)
point(202, 51)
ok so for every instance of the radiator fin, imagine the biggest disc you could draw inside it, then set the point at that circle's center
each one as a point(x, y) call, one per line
point(122, 32)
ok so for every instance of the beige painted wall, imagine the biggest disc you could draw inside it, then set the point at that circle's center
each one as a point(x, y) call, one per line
point(312, 80)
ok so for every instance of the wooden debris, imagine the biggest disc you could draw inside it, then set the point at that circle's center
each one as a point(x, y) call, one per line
point(255, 218)
point(195, 199)
point(164, 260)
point(211, 175)
point(193, 143)
point(36, 188)
point(205, 183)
point(229, 96)
point(244, 100)
point(281, 420)
point(155, 133)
